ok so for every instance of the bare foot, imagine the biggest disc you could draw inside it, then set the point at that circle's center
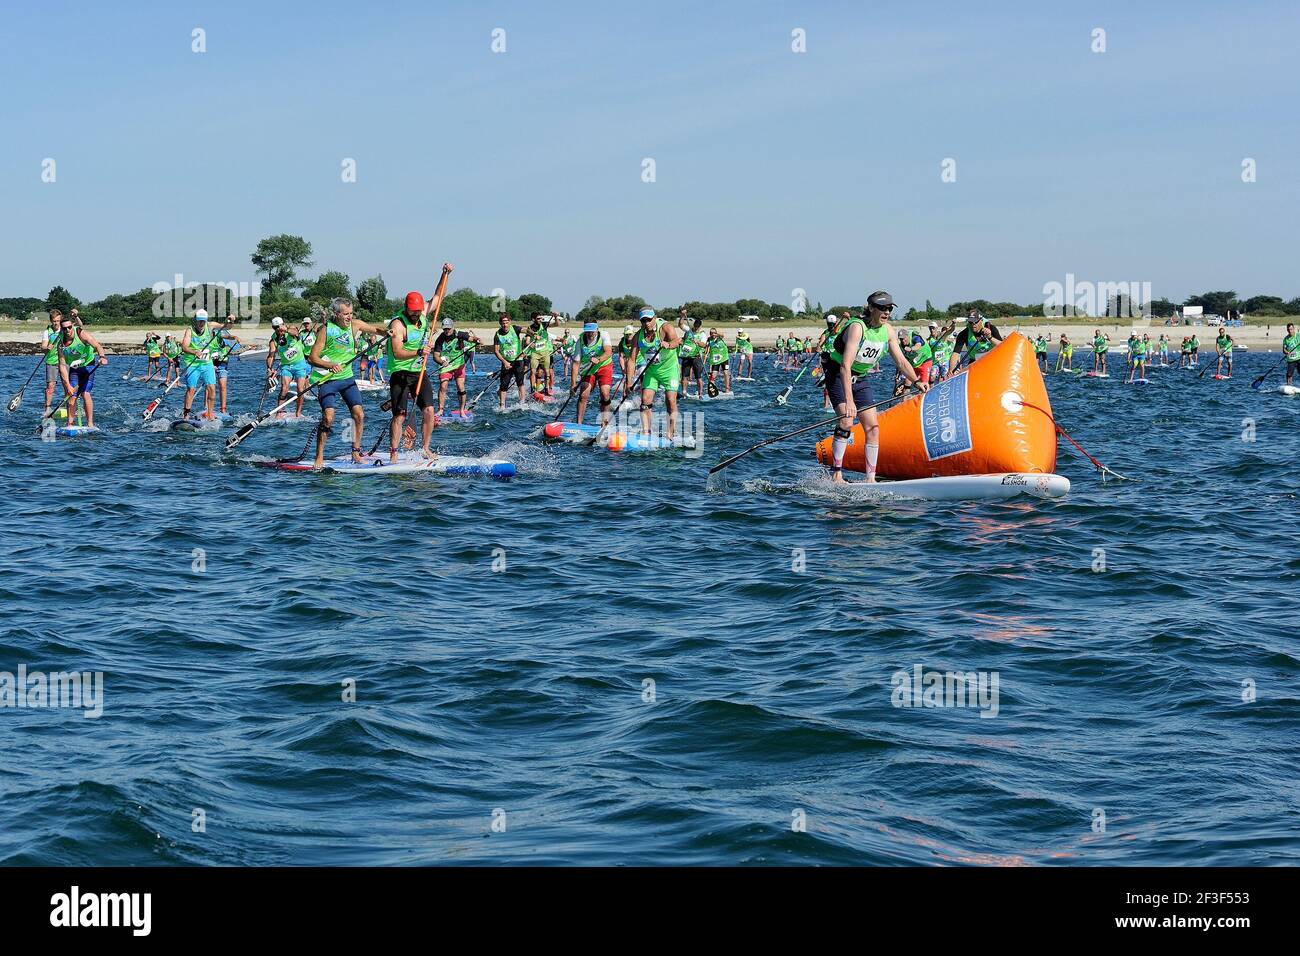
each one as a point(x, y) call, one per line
point(837, 477)
point(428, 455)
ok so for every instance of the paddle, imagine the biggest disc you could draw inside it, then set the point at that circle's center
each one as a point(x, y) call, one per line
point(153, 406)
point(1255, 384)
point(18, 396)
point(246, 429)
point(798, 431)
point(1104, 469)
point(781, 399)
point(129, 370)
point(408, 433)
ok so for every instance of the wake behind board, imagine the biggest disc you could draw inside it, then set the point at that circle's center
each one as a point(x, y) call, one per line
point(1096, 375)
point(454, 417)
point(965, 487)
point(457, 465)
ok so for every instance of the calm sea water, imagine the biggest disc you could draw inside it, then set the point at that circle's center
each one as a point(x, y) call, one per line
point(502, 637)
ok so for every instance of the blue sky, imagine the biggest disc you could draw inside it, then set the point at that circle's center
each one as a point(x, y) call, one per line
point(775, 170)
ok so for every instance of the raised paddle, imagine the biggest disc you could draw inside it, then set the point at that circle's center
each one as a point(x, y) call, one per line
point(408, 433)
point(781, 399)
point(18, 396)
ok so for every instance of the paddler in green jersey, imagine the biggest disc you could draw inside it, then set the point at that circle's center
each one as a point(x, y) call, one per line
point(1137, 349)
point(1064, 354)
point(941, 347)
point(53, 332)
point(595, 369)
point(153, 352)
point(308, 334)
point(1185, 353)
point(331, 358)
point(410, 340)
point(919, 356)
point(540, 349)
point(658, 343)
point(857, 349)
point(79, 356)
point(719, 361)
point(744, 355)
point(197, 345)
point(1100, 345)
point(171, 351)
point(451, 350)
point(564, 348)
point(1223, 351)
point(688, 351)
point(287, 348)
point(625, 346)
point(1291, 351)
point(1040, 350)
point(1194, 344)
point(510, 345)
point(225, 345)
point(1164, 349)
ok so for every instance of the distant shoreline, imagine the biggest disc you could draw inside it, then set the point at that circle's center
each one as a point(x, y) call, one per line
point(128, 340)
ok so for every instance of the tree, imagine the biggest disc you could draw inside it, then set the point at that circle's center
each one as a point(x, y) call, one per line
point(1264, 305)
point(328, 285)
point(278, 260)
point(61, 299)
point(532, 302)
point(1214, 303)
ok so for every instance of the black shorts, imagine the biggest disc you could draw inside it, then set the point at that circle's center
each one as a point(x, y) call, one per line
point(1293, 366)
point(516, 370)
point(401, 389)
point(835, 387)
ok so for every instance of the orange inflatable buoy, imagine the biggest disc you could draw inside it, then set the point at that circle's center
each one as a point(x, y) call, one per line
point(975, 423)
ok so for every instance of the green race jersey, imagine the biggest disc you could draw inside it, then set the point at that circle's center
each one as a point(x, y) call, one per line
point(1225, 344)
point(874, 344)
point(290, 350)
point(1291, 348)
point(455, 351)
point(51, 346)
point(646, 348)
point(918, 355)
point(221, 349)
point(689, 347)
point(744, 346)
point(625, 346)
point(1099, 344)
point(413, 341)
point(509, 343)
point(718, 352)
point(589, 355)
point(340, 348)
point(541, 345)
point(171, 349)
point(77, 353)
point(1040, 345)
point(203, 343)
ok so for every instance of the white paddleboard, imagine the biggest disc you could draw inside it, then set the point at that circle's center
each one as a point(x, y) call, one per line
point(252, 354)
point(966, 487)
point(1289, 389)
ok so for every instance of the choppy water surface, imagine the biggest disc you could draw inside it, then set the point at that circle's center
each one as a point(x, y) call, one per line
point(502, 637)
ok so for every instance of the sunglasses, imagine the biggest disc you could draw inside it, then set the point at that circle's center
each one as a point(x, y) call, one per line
point(883, 308)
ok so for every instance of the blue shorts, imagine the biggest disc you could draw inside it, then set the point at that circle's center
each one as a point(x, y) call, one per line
point(222, 372)
point(346, 387)
point(835, 387)
point(296, 370)
point(83, 379)
point(199, 375)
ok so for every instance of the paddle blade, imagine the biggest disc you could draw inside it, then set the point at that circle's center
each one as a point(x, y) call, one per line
point(15, 402)
point(151, 408)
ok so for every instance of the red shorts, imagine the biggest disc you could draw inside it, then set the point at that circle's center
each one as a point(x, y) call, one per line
point(603, 376)
point(923, 371)
point(448, 376)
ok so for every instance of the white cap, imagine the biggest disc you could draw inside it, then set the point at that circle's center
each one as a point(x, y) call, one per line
point(447, 323)
point(277, 322)
point(201, 315)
